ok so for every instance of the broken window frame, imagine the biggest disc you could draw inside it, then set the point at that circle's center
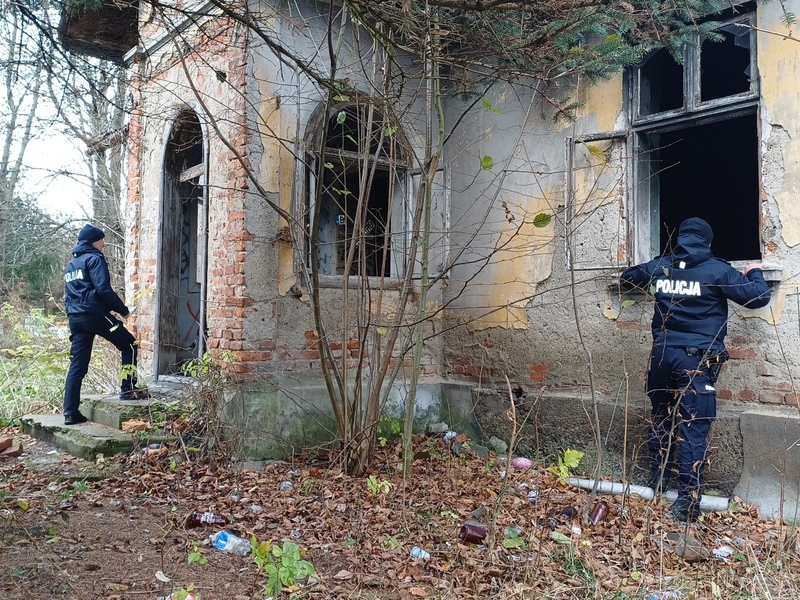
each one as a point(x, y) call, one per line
point(439, 242)
point(571, 201)
point(397, 205)
point(691, 54)
point(645, 194)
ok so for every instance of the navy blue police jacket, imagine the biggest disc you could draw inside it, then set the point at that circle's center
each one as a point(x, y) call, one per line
point(691, 289)
point(88, 284)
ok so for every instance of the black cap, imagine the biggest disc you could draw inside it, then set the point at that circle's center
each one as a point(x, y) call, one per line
point(90, 233)
point(698, 227)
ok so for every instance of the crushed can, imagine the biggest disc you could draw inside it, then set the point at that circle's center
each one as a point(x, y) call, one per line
point(472, 532)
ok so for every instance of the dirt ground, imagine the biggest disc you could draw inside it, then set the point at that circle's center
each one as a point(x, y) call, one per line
point(117, 529)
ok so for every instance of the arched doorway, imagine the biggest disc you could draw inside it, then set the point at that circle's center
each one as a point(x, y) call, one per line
point(182, 248)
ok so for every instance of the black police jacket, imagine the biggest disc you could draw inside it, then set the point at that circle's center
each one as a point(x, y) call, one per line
point(88, 284)
point(691, 289)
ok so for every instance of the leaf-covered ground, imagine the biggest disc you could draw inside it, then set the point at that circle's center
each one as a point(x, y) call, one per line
point(117, 529)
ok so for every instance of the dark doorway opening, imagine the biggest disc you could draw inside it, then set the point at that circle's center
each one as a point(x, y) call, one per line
point(710, 171)
point(180, 325)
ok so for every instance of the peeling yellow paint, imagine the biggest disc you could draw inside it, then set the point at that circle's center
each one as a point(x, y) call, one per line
point(525, 260)
point(778, 63)
point(602, 103)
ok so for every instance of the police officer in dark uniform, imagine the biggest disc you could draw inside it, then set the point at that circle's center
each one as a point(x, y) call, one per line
point(691, 289)
point(89, 300)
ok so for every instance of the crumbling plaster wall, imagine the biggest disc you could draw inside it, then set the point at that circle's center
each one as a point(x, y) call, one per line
point(524, 320)
point(284, 101)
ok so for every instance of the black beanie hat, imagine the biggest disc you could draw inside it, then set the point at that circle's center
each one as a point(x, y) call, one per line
point(697, 226)
point(90, 233)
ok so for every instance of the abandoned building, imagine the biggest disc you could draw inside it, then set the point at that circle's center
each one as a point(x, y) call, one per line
point(531, 222)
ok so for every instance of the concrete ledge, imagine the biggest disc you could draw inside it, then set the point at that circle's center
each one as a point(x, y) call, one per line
point(86, 440)
point(771, 473)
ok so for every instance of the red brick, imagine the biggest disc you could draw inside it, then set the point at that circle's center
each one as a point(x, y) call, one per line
point(780, 385)
point(742, 353)
point(725, 394)
point(5, 443)
point(746, 395)
point(13, 451)
point(538, 371)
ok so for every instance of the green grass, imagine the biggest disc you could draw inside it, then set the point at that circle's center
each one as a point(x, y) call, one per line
point(34, 357)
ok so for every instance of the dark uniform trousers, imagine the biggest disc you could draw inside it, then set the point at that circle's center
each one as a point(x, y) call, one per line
point(682, 394)
point(83, 329)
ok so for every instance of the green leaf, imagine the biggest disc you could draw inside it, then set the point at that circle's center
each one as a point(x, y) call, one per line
point(341, 98)
point(560, 538)
point(487, 163)
point(341, 117)
point(595, 150)
point(490, 107)
point(515, 542)
point(541, 220)
point(628, 302)
point(222, 76)
point(572, 458)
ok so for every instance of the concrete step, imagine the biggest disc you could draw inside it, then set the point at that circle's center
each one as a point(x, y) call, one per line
point(86, 440)
point(111, 411)
point(101, 434)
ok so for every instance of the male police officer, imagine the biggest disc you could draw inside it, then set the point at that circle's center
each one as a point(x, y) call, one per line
point(691, 289)
point(89, 300)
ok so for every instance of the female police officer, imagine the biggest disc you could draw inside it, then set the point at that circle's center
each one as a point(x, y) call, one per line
point(691, 289)
point(89, 300)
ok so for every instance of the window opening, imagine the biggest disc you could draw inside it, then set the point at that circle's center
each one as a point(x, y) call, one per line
point(706, 71)
point(354, 178)
point(696, 141)
point(725, 65)
point(661, 84)
point(709, 171)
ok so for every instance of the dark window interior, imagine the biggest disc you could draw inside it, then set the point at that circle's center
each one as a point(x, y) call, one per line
point(185, 147)
point(711, 171)
point(661, 84)
point(725, 65)
point(337, 228)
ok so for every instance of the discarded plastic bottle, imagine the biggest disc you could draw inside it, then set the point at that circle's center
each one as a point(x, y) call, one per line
point(417, 552)
point(199, 519)
point(228, 542)
point(667, 595)
point(599, 512)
